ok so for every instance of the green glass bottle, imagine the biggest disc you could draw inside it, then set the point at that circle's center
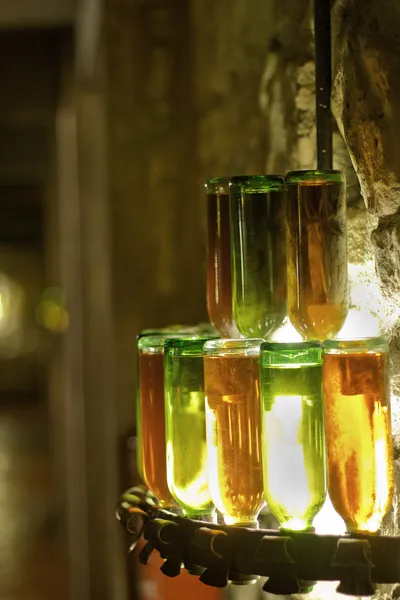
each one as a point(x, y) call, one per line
point(258, 238)
point(293, 432)
point(187, 464)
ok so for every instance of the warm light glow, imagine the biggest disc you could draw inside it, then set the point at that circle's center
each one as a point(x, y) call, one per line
point(286, 333)
point(284, 446)
point(187, 463)
point(51, 312)
point(328, 522)
point(232, 385)
point(370, 313)
point(382, 475)
point(1, 307)
point(358, 437)
point(190, 493)
point(12, 313)
point(324, 590)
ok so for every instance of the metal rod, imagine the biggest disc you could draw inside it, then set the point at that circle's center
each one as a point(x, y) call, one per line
point(323, 82)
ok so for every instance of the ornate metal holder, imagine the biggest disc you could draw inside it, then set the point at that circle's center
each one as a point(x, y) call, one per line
point(291, 561)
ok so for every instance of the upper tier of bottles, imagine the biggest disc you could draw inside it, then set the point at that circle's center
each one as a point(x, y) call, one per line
point(277, 247)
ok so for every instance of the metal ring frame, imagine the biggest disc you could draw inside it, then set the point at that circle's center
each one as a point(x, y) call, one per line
point(292, 561)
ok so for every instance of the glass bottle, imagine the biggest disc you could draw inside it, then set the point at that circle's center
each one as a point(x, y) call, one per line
point(151, 413)
point(232, 386)
point(139, 457)
point(293, 432)
point(200, 329)
point(316, 252)
point(358, 431)
point(219, 284)
point(187, 465)
point(258, 254)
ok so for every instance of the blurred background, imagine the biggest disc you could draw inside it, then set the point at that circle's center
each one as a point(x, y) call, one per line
point(112, 115)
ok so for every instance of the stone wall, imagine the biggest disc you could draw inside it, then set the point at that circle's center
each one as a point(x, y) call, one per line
point(366, 103)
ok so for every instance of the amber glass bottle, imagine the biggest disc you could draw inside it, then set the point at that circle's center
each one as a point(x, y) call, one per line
point(139, 458)
point(169, 330)
point(316, 252)
point(258, 242)
point(358, 431)
point(232, 386)
point(219, 281)
point(151, 412)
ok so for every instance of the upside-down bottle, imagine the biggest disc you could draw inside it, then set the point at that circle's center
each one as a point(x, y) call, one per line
point(293, 432)
point(316, 252)
point(151, 414)
point(169, 330)
point(232, 386)
point(187, 464)
point(358, 431)
point(258, 243)
point(219, 280)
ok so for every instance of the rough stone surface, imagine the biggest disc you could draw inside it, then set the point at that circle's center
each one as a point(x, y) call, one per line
point(367, 107)
point(366, 103)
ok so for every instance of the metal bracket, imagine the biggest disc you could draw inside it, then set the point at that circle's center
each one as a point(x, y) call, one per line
point(214, 549)
point(352, 561)
point(275, 557)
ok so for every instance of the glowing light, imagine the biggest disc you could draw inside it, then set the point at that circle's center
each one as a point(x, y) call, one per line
point(185, 426)
point(51, 312)
point(328, 522)
point(282, 427)
point(325, 590)
point(1, 307)
point(286, 333)
point(191, 492)
point(370, 313)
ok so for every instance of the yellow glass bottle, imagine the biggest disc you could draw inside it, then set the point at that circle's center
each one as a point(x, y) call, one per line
point(187, 465)
point(232, 386)
point(358, 431)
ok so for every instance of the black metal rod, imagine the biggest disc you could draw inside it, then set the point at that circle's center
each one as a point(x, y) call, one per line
point(323, 82)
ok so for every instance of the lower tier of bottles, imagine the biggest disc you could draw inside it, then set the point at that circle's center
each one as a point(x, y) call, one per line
point(232, 424)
